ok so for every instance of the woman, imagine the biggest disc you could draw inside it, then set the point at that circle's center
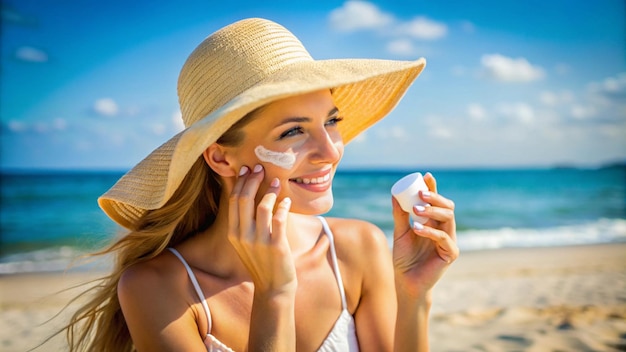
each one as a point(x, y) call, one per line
point(224, 249)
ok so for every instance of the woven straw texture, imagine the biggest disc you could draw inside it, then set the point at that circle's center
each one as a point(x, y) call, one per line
point(235, 70)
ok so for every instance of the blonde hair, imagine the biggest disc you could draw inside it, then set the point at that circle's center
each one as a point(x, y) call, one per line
point(99, 325)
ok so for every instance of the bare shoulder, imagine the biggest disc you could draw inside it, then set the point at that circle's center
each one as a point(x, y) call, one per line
point(357, 238)
point(359, 243)
point(156, 303)
point(156, 274)
point(157, 285)
point(364, 259)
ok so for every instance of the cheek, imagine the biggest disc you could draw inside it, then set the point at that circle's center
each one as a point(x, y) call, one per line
point(284, 160)
point(339, 145)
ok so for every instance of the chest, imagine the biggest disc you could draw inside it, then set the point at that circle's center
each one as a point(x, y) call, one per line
point(318, 306)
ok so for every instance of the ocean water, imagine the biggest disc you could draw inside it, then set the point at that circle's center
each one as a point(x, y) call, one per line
point(49, 218)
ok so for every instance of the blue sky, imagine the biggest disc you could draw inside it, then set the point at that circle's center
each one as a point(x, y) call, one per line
point(92, 84)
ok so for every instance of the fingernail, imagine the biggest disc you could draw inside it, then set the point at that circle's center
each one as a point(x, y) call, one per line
point(257, 168)
point(275, 182)
point(287, 201)
point(446, 259)
point(243, 170)
point(417, 226)
point(425, 194)
point(419, 208)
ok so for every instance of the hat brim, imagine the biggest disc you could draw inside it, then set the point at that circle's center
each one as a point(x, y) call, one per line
point(364, 91)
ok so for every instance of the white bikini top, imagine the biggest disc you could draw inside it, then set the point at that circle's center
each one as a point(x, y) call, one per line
point(342, 337)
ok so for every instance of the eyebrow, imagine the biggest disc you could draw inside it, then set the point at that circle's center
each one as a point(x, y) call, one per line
point(296, 119)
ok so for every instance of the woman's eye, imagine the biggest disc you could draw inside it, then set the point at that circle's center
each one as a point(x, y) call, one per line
point(333, 121)
point(291, 132)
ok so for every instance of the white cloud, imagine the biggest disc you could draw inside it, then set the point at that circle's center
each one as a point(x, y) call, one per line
point(580, 112)
point(424, 28)
point(177, 121)
point(562, 69)
point(605, 100)
point(439, 127)
point(106, 107)
point(440, 132)
point(31, 54)
point(401, 47)
point(37, 126)
point(520, 112)
point(395, 133)
point(553, 99)
point(611, 87)
point(356, 15)
point(549, 98)
point(16, 126)
point(158, 128)
point(458, 70)
point(398, 133)
point(476, 112)
point(506, 69)
point(361, 138)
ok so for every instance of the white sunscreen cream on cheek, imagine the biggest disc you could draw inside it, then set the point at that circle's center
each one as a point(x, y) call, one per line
point(285, 160)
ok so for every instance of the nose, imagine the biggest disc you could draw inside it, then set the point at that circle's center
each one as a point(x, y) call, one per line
point(328, 147)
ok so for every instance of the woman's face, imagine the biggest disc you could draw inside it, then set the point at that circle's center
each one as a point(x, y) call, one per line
point(297, 141)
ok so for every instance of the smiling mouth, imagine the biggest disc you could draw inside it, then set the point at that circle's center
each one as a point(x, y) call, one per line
point(311, 181)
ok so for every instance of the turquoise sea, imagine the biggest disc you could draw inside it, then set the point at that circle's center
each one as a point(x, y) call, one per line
point(50, 217)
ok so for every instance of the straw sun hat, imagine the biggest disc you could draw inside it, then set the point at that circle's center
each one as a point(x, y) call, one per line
point(235, 70)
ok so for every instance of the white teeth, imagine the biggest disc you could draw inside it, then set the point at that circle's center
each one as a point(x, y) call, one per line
point(317, 180)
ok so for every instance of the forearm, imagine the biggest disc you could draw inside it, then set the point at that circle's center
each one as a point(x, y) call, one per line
point(411, 333)
point(272, 325)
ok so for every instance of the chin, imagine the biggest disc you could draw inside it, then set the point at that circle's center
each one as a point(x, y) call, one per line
point(317, 206)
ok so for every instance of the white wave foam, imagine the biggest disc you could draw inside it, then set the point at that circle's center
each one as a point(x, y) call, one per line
point(599, 231)
point(55, 259)
point(59, 259)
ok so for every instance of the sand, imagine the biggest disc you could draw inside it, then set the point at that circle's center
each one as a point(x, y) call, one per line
point(535, 299)
point(540, 299)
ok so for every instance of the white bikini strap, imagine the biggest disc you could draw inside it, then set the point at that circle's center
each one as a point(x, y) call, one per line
point(333, 255)
point(196, 286)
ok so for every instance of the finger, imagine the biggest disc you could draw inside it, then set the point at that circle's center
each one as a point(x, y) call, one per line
point(447, 249)
point(439, 214)
point(436, 199)
point(233, 202)
point(279, 222)
point(264, 212)
point(246, 200)
point(431, 182)
point(400, 218)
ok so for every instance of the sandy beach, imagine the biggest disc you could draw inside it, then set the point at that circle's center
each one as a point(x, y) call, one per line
point(535, 299)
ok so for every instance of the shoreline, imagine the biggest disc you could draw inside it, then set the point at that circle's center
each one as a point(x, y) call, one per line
point(526, 299)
